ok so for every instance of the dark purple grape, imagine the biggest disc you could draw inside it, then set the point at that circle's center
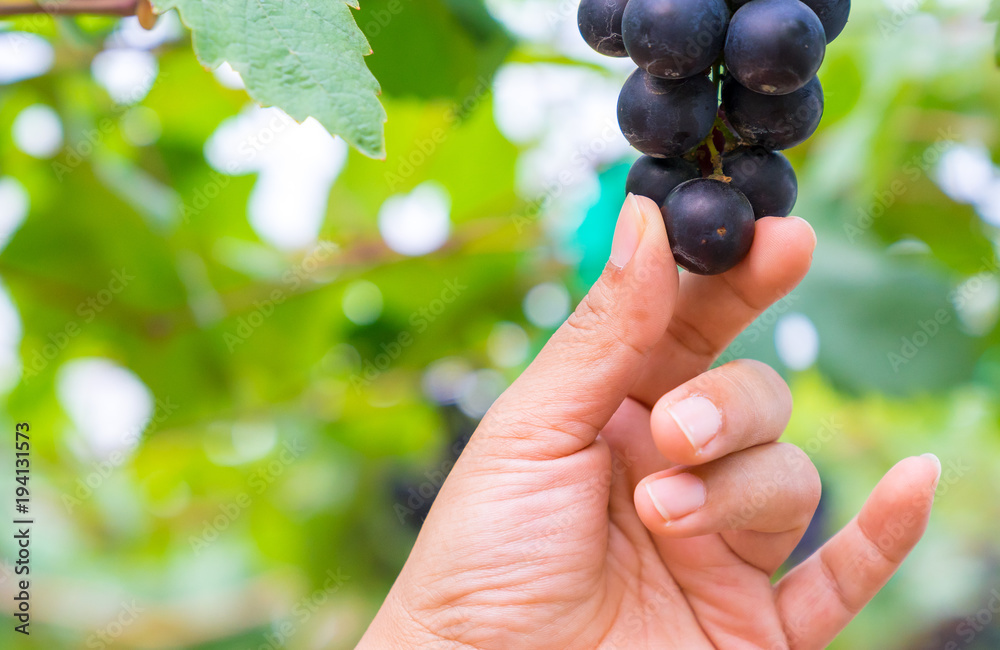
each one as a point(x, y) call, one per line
point(600, 24)
point(663, 118)
point(765, 177)
point(655, 178)
point(774, 122)
point(833, 14)
point(675, 39)
point(775, 46)
point(710, 225)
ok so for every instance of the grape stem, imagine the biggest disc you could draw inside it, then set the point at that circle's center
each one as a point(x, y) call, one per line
point(718, 174)
point(731, 140)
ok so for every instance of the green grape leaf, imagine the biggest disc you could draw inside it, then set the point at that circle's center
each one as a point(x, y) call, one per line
point(306, 58)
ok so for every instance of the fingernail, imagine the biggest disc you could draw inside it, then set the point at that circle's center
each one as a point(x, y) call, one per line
point(937, 461)
point(698, 418)
point(627, 233)
point(676, 496)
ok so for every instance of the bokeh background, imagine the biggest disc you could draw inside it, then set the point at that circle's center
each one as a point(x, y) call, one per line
point(248, 355)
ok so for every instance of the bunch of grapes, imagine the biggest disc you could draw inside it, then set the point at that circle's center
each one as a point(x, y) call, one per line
point(715, 170)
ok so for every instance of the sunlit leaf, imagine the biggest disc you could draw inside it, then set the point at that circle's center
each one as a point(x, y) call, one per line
point(305, 58)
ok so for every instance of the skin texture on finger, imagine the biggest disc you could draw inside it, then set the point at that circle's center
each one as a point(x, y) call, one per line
point(770, 489)
point(821, 596)
point(733, 407)
point(583, 374)
point(710, 312)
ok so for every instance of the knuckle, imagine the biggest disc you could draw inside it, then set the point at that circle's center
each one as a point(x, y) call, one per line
point(808, 484)
point(759, 384)
point(595, 321)
point(592, 314)
point(758, 373)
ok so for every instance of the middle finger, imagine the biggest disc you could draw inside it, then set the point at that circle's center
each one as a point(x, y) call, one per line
point(711, 311)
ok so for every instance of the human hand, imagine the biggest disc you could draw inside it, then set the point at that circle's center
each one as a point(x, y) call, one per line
point(620, 494)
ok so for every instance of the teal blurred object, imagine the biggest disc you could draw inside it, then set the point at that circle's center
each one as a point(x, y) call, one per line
point(593, 238)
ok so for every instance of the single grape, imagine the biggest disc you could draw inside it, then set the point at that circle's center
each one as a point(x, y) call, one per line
point(775, 46)
point(600, 24)
point(655, 178)
point(774, 122)
point(710, 225)
point(765, 177)
point(832, 13)
point(675, 39)
point(664, 118)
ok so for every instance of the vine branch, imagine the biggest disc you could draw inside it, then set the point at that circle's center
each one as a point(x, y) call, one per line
point(69, 7)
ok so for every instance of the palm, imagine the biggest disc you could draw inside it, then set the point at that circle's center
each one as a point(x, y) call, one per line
point(567, 546)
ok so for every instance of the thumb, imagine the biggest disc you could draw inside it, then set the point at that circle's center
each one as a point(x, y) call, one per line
point(585, 371)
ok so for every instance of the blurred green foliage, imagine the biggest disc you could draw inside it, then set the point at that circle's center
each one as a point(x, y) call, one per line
point(307, 458)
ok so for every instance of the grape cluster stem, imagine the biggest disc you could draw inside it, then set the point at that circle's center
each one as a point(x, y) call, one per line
point(717, 73)
point(717, 174)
